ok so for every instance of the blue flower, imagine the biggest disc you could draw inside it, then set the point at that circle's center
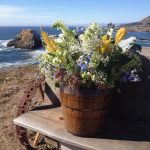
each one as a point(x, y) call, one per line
point(83, 67)
point(134, 78)
point(131, 78)
point(86, 62)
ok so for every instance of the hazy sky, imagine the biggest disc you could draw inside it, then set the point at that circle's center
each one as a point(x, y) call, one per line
point(45, 12)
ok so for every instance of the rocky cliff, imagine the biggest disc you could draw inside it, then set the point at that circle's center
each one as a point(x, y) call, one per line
point(140, 26)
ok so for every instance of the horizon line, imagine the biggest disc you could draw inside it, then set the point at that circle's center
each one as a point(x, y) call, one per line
point(84, 24)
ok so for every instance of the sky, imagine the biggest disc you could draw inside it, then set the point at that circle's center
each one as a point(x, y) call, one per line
point(72, 12)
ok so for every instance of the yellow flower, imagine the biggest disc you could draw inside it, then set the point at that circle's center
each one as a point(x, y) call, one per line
point(120, 34)
point(105, 46)
point(106, 37)
point(48, 42)
point(54, 44)
point(106, 42)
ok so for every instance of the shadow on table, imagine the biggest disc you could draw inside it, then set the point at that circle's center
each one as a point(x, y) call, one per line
point(130, 110)
point(118, 129)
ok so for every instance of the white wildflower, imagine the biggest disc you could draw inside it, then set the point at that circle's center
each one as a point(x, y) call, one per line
point(110, 32)
point(126, 44)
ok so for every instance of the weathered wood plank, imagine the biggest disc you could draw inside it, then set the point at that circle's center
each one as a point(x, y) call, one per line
point(49, 122)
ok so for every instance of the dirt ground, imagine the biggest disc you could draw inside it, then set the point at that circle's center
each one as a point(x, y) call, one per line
point(12, 84)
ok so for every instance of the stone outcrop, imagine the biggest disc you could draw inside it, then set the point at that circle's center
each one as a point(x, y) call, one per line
point(27, 39)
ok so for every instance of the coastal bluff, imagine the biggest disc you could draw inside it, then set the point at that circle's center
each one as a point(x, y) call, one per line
point(27, 39)
point(140, 26)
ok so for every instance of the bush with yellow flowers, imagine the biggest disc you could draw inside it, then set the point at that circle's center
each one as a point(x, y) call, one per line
point(90, 60)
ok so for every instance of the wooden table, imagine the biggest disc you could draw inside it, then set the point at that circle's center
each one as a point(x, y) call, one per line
point(50, 123)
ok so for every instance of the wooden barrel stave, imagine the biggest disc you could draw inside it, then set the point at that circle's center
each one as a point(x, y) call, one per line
point(85, 115)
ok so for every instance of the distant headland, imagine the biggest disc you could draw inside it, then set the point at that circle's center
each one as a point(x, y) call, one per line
point(140, 26)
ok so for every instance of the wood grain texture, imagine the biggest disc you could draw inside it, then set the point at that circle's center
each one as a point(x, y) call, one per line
point(85, 113)
point(48, 122)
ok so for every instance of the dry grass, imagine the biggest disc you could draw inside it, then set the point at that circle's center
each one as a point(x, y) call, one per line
point(12, 84)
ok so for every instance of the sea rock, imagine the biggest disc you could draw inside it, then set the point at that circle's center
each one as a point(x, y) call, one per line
point(27, 39)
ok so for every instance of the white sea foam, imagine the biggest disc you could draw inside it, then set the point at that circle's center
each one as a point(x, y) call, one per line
point(31, 60)
point(3, 43)
point(16, 64)
point(5, 65)
point(36, 53)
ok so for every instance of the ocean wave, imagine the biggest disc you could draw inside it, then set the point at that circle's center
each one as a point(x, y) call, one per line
point(34, 54)
point(143, 39)
point(6, 65)
point(16, 64)
point(28, 57)
point(3, 43)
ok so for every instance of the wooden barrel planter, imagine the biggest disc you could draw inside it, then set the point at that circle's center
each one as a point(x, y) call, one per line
point(85, 112)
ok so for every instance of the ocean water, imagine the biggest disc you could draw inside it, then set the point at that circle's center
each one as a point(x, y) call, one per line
point(10, 56)
point(143, 38)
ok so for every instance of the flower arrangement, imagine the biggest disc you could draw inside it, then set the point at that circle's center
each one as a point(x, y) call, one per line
point(91, 60)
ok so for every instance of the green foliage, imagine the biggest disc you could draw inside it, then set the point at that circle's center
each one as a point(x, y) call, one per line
point(69, 35)
point(83, 59)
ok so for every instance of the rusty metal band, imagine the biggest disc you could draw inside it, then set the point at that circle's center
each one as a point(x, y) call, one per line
point(24, 107)
point(87, 110)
